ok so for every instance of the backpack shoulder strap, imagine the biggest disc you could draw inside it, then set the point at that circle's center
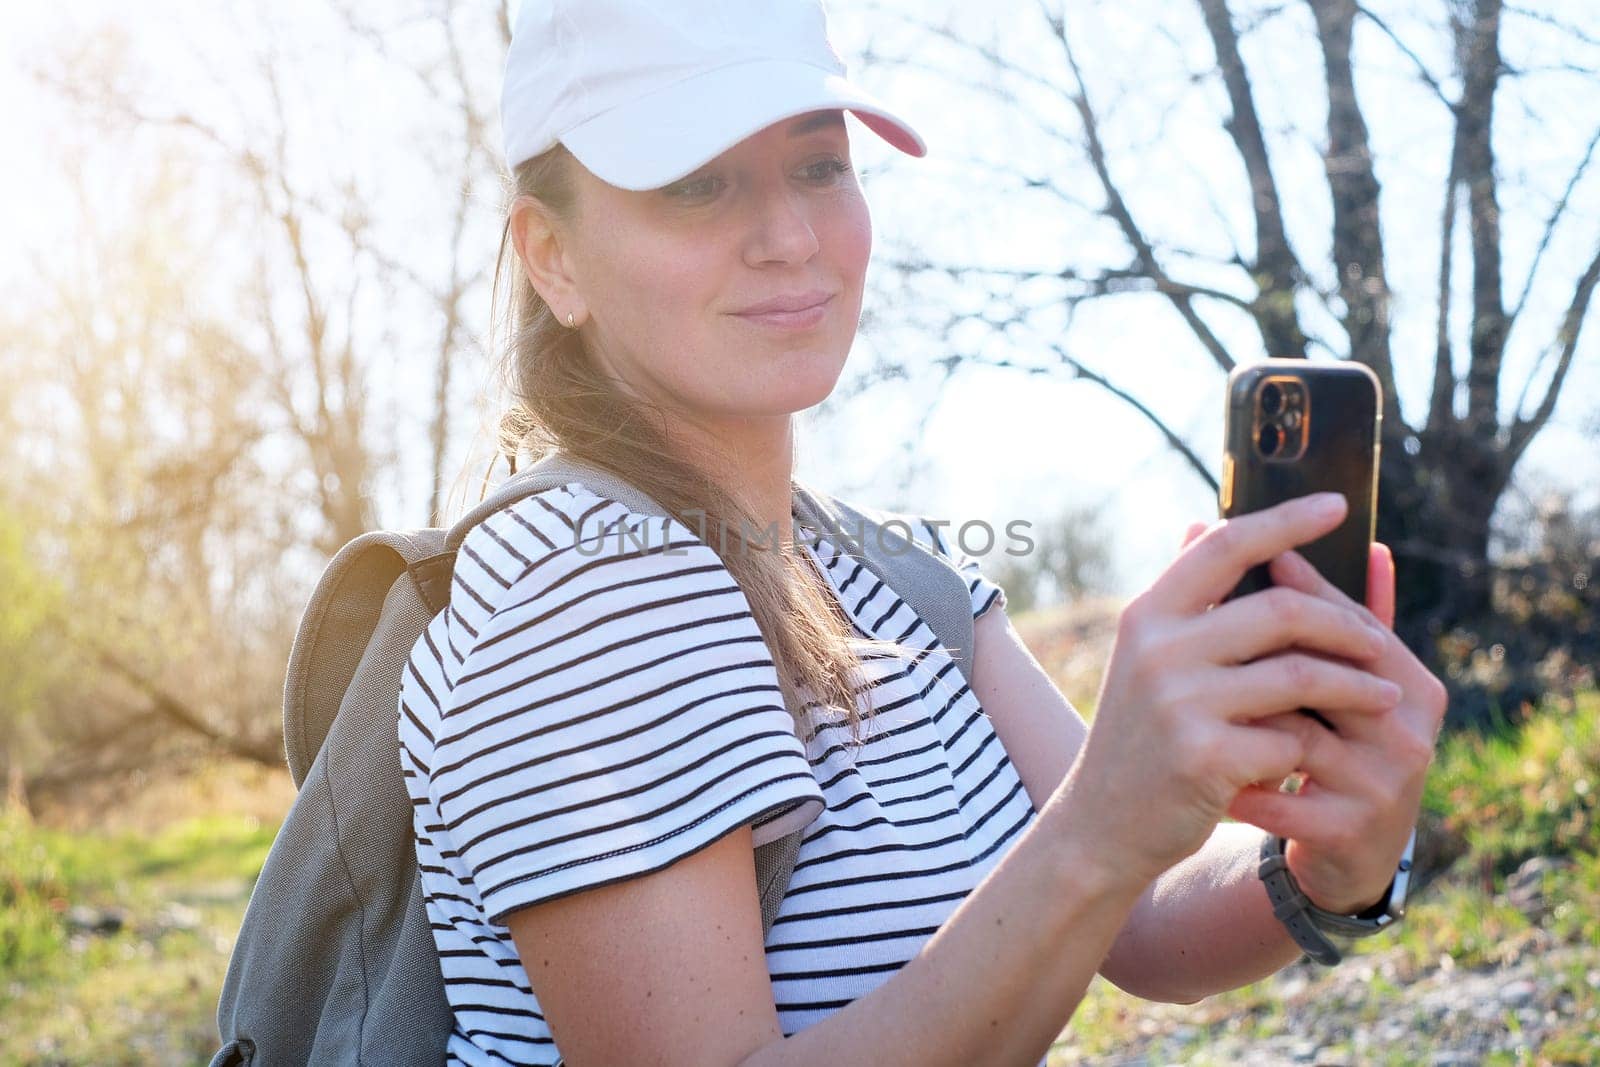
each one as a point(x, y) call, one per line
point(335, 630)
point(883, 542)
point(555, 468)
point(347, 603)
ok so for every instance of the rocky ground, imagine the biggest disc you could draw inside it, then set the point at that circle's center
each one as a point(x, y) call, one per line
point(1542, 1008)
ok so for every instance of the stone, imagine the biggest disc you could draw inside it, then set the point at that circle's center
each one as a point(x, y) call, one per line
point(1516, 994)
point(93, 921)
point(1525, 887)
point(176, 916)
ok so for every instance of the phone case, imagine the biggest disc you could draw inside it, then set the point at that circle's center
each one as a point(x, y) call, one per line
point(1336, 449)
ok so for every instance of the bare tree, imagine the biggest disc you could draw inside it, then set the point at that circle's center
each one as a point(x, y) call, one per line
point(200, 420)
point(319, 251)
point(1443, 473)
point(132, 477)
point(466, 119)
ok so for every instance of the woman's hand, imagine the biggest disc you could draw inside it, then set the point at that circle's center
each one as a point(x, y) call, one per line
point(1348, 824)
point(1198, 698)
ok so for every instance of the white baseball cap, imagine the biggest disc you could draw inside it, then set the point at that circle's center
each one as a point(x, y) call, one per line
point(644, 92)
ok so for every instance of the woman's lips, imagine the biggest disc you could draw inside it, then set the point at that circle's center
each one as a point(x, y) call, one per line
point(802, 318)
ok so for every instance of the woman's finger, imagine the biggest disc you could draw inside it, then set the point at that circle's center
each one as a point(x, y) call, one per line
point(1293, 570)
point(1426, 704)
point(1215, 562)
point(1290, 680)
point(1195, 530)
point(1283, 617)
point(1309, 815)
point(1343, 849)
point(1261, 755)
point(1333, 760)
point(1380, 583)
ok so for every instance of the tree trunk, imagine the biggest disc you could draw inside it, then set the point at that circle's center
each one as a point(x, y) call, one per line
point(1434, 510)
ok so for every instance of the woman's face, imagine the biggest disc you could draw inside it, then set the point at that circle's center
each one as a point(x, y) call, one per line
point(735, 292)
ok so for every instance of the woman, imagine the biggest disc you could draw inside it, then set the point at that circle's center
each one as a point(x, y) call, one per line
point(596, 735)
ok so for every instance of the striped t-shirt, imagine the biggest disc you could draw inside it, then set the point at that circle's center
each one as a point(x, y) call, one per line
point(598, 702)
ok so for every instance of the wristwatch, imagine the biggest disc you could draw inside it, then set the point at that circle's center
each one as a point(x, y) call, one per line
point(1311, 926)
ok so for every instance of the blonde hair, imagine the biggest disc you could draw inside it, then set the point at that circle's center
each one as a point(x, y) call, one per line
point(558, 399)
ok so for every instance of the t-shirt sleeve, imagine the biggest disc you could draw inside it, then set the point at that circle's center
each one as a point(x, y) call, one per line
point(618, 711)
point(986, 593)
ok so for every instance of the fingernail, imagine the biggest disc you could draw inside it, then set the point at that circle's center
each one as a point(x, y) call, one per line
point(1390, 692)
point(1329, 503)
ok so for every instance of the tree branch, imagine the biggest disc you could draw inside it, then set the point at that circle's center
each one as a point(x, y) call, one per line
point(1441, 406)
point(1276, 271)
point(177, 712)
point(1422, 68)
point(992, 87)
point(1523, 431)
point(1178, 443)
point(1566, 28)
point(1480, 49)
point(1110, 282)
point(1117, 207)
point(991, 56)
point(1550, 227)
point(1357, 235)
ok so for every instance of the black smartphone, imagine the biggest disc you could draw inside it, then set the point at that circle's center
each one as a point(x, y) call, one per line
point(1294, 427)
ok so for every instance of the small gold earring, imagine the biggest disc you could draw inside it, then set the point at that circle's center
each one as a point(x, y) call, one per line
point(571, 323)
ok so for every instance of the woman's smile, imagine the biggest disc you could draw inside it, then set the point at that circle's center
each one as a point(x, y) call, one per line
point(801, 312)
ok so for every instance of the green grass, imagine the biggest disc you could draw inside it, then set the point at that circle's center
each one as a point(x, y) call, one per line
point(1512, 797)
point(1527, 792)
point(146, 993)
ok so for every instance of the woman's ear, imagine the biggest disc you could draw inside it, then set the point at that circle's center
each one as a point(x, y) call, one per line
point(542, 250)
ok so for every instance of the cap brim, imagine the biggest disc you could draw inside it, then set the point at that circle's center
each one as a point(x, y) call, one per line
point(655, 140)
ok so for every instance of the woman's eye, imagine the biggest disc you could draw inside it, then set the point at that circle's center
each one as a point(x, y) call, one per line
point(825, 171)
point(694, 188)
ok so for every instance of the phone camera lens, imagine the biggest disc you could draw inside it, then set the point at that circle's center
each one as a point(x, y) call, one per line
point(1291, 420)
point(1271, 399)
point(1269, 439)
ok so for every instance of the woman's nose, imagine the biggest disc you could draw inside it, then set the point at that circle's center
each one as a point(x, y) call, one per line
point(783, 230)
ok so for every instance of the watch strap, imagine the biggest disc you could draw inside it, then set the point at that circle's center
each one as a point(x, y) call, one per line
point(1310, 925)
point(1291, 906)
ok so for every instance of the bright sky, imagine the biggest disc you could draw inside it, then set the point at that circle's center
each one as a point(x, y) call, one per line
point(1000, 446)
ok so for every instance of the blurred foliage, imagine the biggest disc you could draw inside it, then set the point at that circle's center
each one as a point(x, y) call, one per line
point(1543, 641)
point(1072, 558)
point(1524, 792)
point(219, 357)
point(27, 659)
point(1512, 796)
point(143, 988)
point(152, 613)
point(33, 893)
